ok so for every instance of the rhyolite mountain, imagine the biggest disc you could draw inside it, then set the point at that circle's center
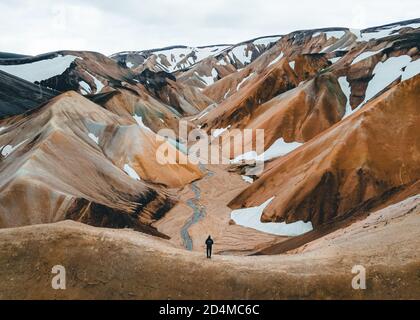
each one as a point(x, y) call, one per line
point(80, 139)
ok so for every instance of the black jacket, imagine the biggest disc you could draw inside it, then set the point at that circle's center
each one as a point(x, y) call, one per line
point(209, 242)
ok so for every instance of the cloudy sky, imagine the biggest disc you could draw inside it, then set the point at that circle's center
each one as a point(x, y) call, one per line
point(33, 27)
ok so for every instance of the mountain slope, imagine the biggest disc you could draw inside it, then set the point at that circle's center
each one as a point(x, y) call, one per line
point(18, 96)
point(367, 155)
point(73, 159)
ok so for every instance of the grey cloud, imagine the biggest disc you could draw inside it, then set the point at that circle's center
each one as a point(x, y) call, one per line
point(107, 26)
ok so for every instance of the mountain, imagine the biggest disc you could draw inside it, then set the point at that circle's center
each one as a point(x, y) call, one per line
point(362, 158)
point(86, 72)
point(73, 159)
point(177, 58)
point(334, 183)
point(18, 96)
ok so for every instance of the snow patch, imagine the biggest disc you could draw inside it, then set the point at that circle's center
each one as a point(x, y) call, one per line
point(411, 70)
point(131, 172)
point(99, 85)
point(334, 60)
point(218, 132)
point(243, 81)
point(386, 31)
point(385, 73)
point(292, 65)
point(241, 54)
point(93, 137)
point(266, 41)
point(226, 94)
point(365, 55)
point(247, 179)
point(8, 149)
point(335, 34)
point(208, 80)
point(250, 218)
point(222, 62)
point(345, 87)
point(85, 87)
point(277, 149)
point(40, 70)
point(276, 59)
point(140, 122)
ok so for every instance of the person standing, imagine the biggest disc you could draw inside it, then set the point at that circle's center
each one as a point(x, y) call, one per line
point(209, 244)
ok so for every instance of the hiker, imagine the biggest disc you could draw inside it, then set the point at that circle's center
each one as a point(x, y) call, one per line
point(209, 243)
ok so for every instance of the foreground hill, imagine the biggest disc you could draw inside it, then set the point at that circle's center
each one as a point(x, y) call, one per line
point(122, 264)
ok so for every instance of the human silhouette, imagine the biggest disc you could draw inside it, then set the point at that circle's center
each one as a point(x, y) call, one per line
point(209, 244)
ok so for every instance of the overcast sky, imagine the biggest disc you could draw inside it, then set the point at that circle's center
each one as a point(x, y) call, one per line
point(33, 27)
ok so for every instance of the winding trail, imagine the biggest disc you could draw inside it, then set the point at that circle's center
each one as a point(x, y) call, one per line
point(199, 211)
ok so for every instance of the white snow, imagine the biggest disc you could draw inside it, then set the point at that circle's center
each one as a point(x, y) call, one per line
point(276, 59)
point(40, 70)
point(176, 55)
point(345, 87)
point(365, 55)
point(226, 94)
point(334, 60)
point(243, 81)
point(385, 73)
point(2, 128)
point(280, 148)
point(250, 217)
point(222, 62)
point(266, 41)
point(411, 70)
point(335, 34)
point(8, 149)
point(204, 114)
point(386, 31)
point(140, 122)
point(131, 172)
point(292, 65)
point(99, 85)
point(218, 132)
point(178, 145)
point(93, 137)
point(129, 64)
point(85, 87)
point(242, 54)
point(330, 34)
point(208, 80)
point(277, 149)
point(247, 179)
point(357, 33)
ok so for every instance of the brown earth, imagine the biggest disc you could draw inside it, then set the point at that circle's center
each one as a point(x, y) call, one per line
point(122, 264)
